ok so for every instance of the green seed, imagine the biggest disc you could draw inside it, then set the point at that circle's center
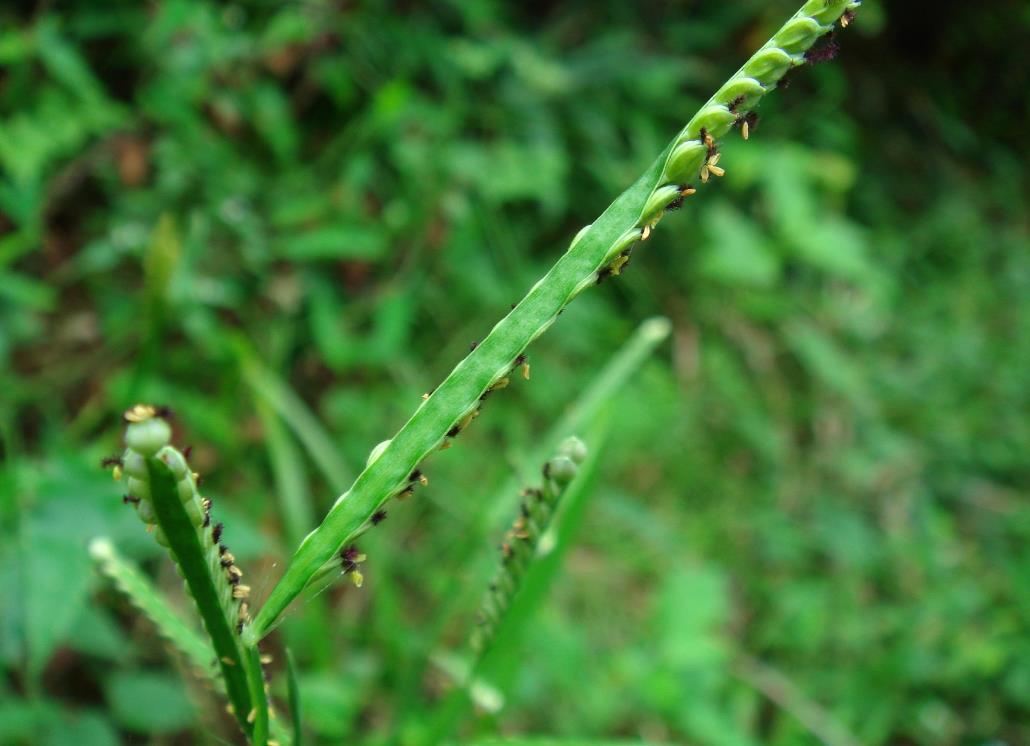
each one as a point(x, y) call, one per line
point(146, 512)
point(574, 448)
point(174, 461)
point(134, 465)
point(148, 437)
point(138, 487)
point(715, 119)
point(659, 201)
point(795, 37)
point(685, 161)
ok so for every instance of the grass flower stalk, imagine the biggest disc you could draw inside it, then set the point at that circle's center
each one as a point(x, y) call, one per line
point(163, 490)
point(601, 250)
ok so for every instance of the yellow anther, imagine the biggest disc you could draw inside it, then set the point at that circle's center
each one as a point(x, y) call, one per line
point(140, 413)
point(116, 472)
point(714, 168)
point(525, 371)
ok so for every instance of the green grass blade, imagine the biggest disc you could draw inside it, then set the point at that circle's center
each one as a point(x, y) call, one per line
point(600, 250)
point(288, 473)
point(258, 714)
point(295, 413)
point(191, 558)
point(144, 596)
point(294, 698)
point(547, 741)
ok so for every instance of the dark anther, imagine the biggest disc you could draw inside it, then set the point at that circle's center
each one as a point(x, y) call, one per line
point(348, 555)
point(453, 432)
point(127, 499)
point(603, 275)
point(216, 532)
point(207, 519)
point(473, 346)
point(824, 50)
point(186, 452)
point(732, 106)
point(164, 412)
point(520, 360)
point(378, 517)
point(107, 463)
point(415, 475)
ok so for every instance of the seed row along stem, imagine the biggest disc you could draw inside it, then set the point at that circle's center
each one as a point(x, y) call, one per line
point(600, 250)
point(163, 490)
point(522, 542)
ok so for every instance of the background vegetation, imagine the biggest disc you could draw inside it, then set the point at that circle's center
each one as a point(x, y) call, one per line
point(811, 521)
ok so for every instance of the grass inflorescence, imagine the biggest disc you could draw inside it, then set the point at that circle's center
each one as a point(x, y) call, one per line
point(523, 540)
point(601, 250)
point(163, 490)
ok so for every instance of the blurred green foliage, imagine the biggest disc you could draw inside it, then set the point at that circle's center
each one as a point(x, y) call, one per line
point(811, 519)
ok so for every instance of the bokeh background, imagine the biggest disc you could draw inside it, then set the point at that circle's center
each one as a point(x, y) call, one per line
point(288, 220)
